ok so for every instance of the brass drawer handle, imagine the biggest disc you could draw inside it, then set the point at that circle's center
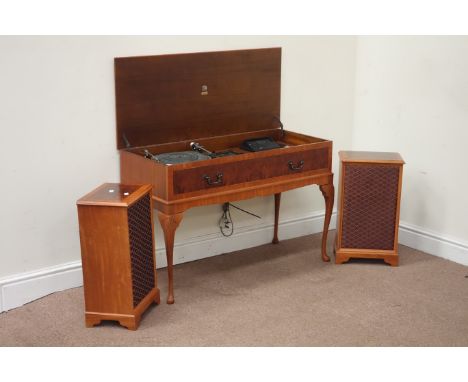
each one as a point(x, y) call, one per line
point(293, 167)
point(219, 179)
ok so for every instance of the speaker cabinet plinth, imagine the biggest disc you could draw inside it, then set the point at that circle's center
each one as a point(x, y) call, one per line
point(117, 252)
point(368, 206)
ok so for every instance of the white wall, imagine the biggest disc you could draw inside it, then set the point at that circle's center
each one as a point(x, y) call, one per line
point(58, 131)
point(412, 97)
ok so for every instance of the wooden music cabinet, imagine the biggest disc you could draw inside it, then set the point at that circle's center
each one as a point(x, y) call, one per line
point(218, 99)
point(368, 206)
point(117, 251)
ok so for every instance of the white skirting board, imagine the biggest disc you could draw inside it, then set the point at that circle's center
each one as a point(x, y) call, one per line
point(433, 243)
point(20, 289)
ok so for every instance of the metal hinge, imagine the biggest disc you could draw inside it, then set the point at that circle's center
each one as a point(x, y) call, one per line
point(280, 124)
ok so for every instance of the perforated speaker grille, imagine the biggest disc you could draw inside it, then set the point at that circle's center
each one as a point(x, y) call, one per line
point(369, 206)
point(141, 248)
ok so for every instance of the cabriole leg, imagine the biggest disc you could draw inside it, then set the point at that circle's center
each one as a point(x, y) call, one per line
point(169, 224)
point(328, 192)
point(277, 208)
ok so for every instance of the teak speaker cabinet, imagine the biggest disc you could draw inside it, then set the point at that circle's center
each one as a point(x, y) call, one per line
point(369, 206)
point(218, 99)
point(117, 251)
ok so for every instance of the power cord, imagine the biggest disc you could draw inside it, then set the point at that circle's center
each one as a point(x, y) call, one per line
point(226, 225)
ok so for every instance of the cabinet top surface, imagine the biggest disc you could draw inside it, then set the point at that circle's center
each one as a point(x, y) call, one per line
point(114, 194)
point(178, 97)
point(370, 157)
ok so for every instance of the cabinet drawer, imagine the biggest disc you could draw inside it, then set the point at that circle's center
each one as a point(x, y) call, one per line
point(213, 176)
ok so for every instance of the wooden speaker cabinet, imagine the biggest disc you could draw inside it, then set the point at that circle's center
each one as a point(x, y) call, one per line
point(368, 206)
point(117, 251)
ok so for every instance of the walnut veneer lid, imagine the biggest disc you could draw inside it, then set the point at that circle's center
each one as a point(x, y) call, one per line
point(371, 157)
point(114, 194)
point(178, 97)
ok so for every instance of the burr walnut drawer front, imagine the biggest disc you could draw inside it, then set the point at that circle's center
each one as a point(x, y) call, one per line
point(213, 176)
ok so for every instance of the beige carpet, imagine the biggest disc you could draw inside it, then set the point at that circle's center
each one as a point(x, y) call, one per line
point(273, 295)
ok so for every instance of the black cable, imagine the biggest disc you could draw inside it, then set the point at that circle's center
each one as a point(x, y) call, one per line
point(226, 225)
point(247, 212)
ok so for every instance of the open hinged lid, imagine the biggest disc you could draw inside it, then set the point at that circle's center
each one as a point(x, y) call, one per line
point(177, 97)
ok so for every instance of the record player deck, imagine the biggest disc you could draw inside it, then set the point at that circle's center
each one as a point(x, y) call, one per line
point(179, 157)
point(187, 156)
point(198, 153)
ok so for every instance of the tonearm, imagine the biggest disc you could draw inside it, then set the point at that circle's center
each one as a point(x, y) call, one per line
point(150, 156)
point(195, 146)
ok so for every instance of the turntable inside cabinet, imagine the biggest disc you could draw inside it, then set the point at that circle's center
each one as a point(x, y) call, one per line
point(225, 145)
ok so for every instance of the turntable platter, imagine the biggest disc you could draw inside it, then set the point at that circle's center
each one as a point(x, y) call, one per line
point(181, 157)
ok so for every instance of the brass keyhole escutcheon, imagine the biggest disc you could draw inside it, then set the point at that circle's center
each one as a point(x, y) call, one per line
point(204, 90)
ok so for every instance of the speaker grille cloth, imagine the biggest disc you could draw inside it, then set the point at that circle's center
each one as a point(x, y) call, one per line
point(369, 206)
point(141, 248)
